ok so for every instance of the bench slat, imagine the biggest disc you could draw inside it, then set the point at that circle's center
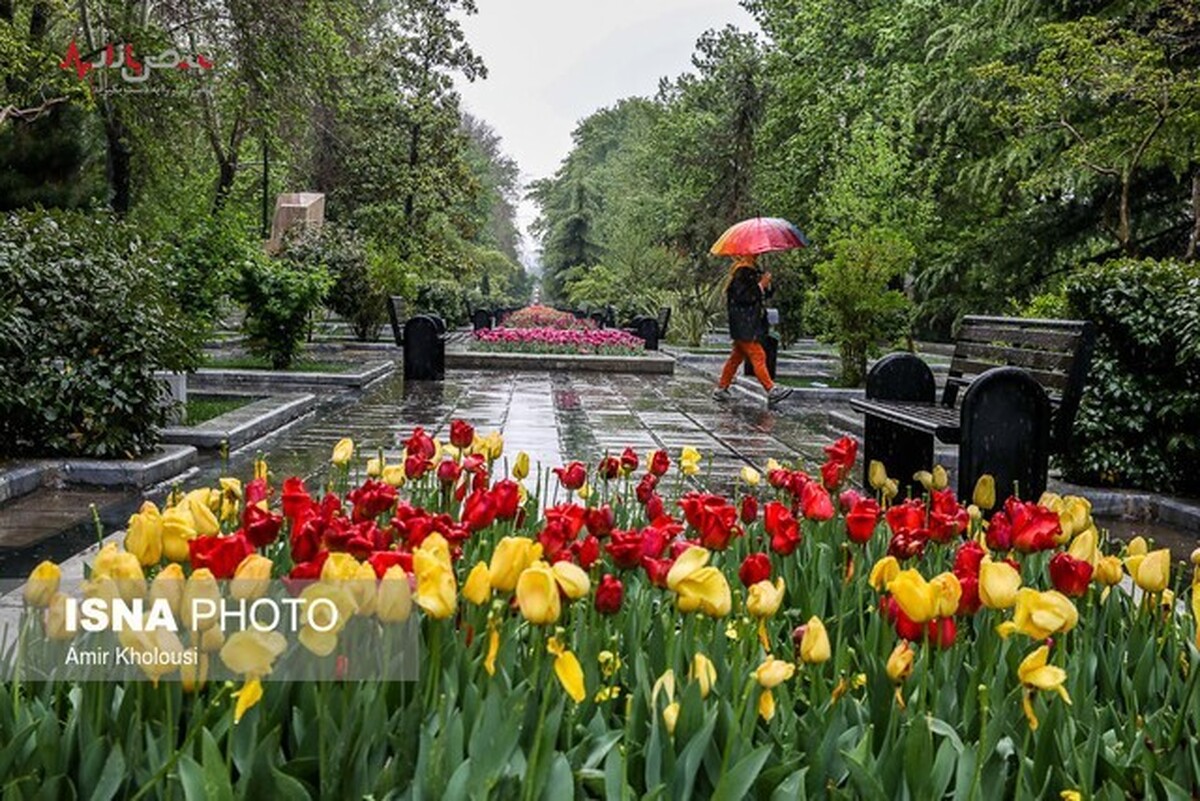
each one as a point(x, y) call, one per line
point(1057, 382)
point(1046, 339)
point(933, 418)
point(1050, 361)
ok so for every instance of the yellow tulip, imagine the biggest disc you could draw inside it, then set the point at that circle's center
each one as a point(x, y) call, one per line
point(1196, 606)
point(883, 572)
point(42, 584)
point(105, 557)
point(891, 488)
point(56, 618)
point(393, 597)
point(772, 465)
point(766, 705)
point(750, 476)
point(689, 461)
point(328, 607)
point(1041, 614)
point(261, 471)
point(231, 495)
point(572, 579)
point(178, 529)
point(212, 639)
point(664, 683)
point(509, 558)
point(699, 588)
point(610, 663)
point(984, 495)
point(916, 597)
point(1151, 572)
point(201, 585)
point(671, 716)
point(704, 672)
point(393, 475)
point(814, 645)
point(169, 585)
point(203, 519)
point(143, 535)
point(126, 571)
point(763, 599)
point(940, 479)
point(1075, 516)
point(159, 650)
point(491, 446)
point(877, 474)
point(489, 661)
point(537, 594)
point(1035, 674)
point(1083, 547)
point(1070, 795)
point(1109, 570)
point(998, 584)
point(343, 452)
point(773, 672)
point(1137, 547)
point(900, 662)
point(375, 467)
point(251, 578)
point(568, 670)
point(339, 567)
point(478, 589)
point(520, 468)
point(924, 478)
point(948, 590)
point(364, 589)
point(584, 492)
point(251, 652)
point(250, 694)
point(436, 587)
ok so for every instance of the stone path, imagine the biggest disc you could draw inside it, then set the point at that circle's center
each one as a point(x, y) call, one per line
point(553, 416)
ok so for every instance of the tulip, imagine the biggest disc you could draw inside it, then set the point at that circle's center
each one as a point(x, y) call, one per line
point(203, 519)
point(773, 672)
point(998, 584)
point(664, 683)
point(948, 590)
point(329, 607)
point(689, 461)
point(1040, 614)
point(56, 618)
point(393, 596)
point(1137, 547)
point(251, 652)
point(940, 480)
point(609, 595)
point(156, 651)
point(143, 535)
point(814, 643)
point(375, 467)
point(177, 530)
point(509, 558)
point(751, 476)
point(1108, 570)
point(251, 578)
point(882, 574)
point(984, 495)
point(537, 594)
point(1151, 572)
point(1069, 575)
point(568, 670)
point(43, 583)
point(169, 585)
point(364, 589)
point(704, 672)
point(1035, 674)
point(671, 716)
point(250, 694)
point(393, 475)
point(876, 474)
point(491, 446)
point(436, 587)
point(343, 452)
point(900, 662)
point(763, 598)
point(1196, 606)
point(916, 597)
point(699, 588)
point(520, 468)
point(1083, 547)
point(924, 478)
point(572, 579)
point(261, 471)
point(478, 589)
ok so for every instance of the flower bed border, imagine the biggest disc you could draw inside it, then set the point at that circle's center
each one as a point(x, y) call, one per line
point(245, 424)
point(212, 379)
point(649, 364)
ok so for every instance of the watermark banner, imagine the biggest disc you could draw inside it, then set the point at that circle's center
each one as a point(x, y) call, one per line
point(177, 629)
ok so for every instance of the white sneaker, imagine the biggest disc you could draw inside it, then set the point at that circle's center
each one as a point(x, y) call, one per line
point(722, 393)
point(778, 393)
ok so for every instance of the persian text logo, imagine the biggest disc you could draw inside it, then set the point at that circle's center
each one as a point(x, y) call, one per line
point(133, 69)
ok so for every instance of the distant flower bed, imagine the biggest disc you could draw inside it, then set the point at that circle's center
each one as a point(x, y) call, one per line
point(533, 317)
point(606, 342)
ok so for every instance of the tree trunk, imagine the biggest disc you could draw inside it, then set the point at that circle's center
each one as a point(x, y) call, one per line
point(39, 20)
point(1124, 237)
point(120, 163)
point(1194, 239)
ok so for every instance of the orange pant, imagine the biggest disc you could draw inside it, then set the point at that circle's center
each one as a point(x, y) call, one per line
point(742, 350)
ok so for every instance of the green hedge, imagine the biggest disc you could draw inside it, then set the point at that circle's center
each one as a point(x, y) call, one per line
point(1139, 423)
point(86, 317)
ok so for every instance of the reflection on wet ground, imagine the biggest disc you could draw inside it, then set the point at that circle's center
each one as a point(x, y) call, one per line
point(553, 416)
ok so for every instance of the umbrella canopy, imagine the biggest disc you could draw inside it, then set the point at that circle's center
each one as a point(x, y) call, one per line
point(759, 235)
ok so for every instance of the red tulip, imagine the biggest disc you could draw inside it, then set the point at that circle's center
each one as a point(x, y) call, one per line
point(645, 487)
point(968, 602)
point(968, 558)
point(462, 434)
point(609, 593)
point(655, 508)
point(371, 500)
point(587, 551)
point(599, 520)
point(862, 519)
point(416, 465)
point(906, 517)
point(609, 468)
point(1035, 528)
point(942, 632)
point(659, 462)
point(755, 568)
point(1069, 575)
point(749, 511)
point(816, 503)
point(625, 548)
point(507, 497)
point(255, 491)
point(221, 555)
point(294, 497)
point(573, 476)
point(781, 527)
point(657, 570)
point(479, 511)
point(629, 460)
point(843, 452)
point(382, 560)
point(261, 526)
point(420, 444)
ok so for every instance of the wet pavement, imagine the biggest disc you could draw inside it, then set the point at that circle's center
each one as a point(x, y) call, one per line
point(553, 416)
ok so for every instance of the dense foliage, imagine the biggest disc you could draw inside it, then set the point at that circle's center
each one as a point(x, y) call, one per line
point(280, 296)
point(1007, 142)
point(1139, 423)
point(86, 318)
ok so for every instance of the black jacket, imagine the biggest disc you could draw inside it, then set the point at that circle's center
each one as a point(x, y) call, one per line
point(744, 302)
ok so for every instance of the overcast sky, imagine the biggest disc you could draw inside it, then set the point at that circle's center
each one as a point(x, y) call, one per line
point(553, 62)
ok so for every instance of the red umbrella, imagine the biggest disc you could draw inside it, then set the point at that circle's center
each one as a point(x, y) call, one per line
point(759, 235)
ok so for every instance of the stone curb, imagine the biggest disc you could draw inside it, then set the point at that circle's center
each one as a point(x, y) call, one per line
point(19, 480)
point(165, 463)
point(657, 364)
point(241, 426)
point(224, 380)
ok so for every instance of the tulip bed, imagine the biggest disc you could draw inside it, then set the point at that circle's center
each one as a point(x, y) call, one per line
point(606, 342)
point(538, 316)
point(611, 631)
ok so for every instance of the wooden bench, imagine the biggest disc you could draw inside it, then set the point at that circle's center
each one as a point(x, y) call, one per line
point(1020, 382)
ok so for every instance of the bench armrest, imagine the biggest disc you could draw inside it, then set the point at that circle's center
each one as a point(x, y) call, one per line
point(901, 377)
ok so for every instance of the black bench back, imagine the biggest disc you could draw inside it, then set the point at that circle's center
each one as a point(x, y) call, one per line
point(1056, 353)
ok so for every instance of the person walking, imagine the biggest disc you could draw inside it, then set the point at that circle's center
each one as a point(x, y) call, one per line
point(746, 291)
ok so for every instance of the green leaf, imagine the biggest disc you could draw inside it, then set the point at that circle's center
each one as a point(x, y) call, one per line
point(736, 782)
point(689, 759)
point(111, 777)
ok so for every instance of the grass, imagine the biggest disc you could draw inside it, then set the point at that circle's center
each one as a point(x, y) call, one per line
point(202, 408)
point(257, 363)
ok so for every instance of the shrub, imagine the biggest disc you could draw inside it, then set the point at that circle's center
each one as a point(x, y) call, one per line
point(444, 298)
point(1139, 422)
point(86, 318)
point(852, 304)
point(207, 260)
point(279, 295)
